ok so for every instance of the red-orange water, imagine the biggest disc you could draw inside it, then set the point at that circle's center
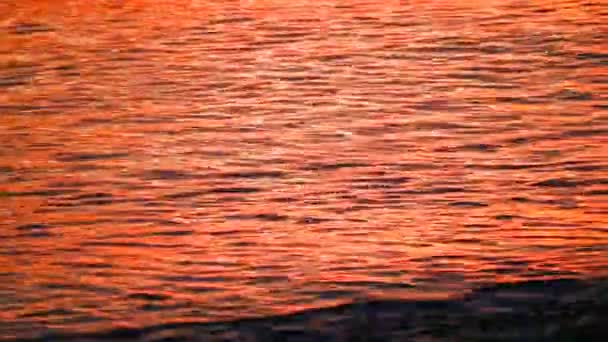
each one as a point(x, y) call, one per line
point(169, 161)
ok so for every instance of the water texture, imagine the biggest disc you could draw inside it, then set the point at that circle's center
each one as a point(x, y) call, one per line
point(165, 163)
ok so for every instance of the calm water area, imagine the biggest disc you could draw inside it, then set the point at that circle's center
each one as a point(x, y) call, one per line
point(187, 162)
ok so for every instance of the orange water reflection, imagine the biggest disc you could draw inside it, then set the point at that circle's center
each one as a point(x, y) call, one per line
point(239, 158)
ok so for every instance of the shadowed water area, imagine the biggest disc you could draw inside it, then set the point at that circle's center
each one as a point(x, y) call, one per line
point(300, 168)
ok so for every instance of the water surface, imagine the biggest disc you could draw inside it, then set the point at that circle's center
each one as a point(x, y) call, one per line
point(202, 161)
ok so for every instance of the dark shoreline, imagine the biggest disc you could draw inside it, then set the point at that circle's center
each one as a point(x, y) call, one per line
point(556, 310)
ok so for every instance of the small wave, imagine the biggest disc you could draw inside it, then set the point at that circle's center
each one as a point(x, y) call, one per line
point(563, 309)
